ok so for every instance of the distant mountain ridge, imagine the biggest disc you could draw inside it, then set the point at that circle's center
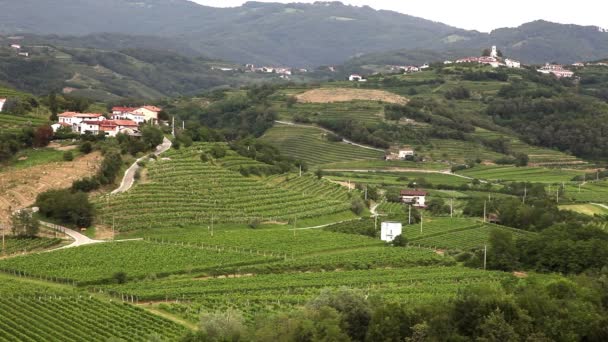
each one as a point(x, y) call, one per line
point(323, 33)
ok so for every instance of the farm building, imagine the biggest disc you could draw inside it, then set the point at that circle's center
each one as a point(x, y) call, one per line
point(150, 113)
point(2, 102)
point(415, 197)
point(356, 78)
point(403, 154)
point(390, 230)
point(126, 113)
point(95, 123)
point(557, 70)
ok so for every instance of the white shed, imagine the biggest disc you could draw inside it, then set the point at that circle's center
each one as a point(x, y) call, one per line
point(390, 230)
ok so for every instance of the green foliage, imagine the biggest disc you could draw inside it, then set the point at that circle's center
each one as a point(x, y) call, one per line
point(86, 147)
point(151, 136)
point(400, 241)
point(218, 151)
point(23, 224)
point(502, 253)
point(68, 156)
point(67, 207)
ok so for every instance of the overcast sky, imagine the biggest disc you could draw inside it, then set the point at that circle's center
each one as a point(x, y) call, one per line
point(481, 15)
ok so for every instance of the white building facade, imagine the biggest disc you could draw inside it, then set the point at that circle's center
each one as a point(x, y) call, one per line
point(390, 230)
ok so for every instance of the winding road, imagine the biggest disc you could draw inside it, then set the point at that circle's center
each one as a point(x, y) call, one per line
point(79, 239)
point(129, 178)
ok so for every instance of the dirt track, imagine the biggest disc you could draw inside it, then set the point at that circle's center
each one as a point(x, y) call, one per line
point(328, 95)
point(19, 188)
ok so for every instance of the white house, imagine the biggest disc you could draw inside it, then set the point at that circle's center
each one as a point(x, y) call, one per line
point(150, 113)
point(390, 230)
point(448, 62)
point(578, 64)
point(405, 153)
point(511, 63)
point(2, 102)
point(356, 78)
point(417, 198)
point(74, 119)
point(127, 113)
point(16, 46)
point(424, 66)
point(557, 70)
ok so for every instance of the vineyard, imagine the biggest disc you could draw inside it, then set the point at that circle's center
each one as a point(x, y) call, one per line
point(183, 191)
point(361, 111)
point(397, 178)
point(13, 123)
point(52, 313)
point(521, 174)
point(310, 185)
point(310, 145)
point(24, 245)
point(99, 263)
point(272, 292)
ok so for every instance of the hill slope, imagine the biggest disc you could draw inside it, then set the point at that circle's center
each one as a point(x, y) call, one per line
point(293, 34)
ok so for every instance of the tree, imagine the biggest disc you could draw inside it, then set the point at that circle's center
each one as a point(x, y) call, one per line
point(357, 206)
point(319, 174)
point(68, 156)
point(496, 329)
point(400, 241)
point(120, 277)
point(151, 136)
point(23, 224)
point(53, 106)
point(67, 207)
point(86, 147)
point(437, 206)
point(218, 151)
point(43, 136)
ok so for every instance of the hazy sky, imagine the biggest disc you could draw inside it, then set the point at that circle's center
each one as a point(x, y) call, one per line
point(478, 14)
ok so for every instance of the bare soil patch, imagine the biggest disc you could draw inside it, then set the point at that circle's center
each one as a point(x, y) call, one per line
point(19, 188)
point(328, 95)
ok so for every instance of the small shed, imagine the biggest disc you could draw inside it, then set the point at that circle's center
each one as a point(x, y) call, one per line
point(390, 230)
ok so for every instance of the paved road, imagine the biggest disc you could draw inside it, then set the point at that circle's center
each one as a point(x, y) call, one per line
point(129, 178)
point(346, 141)
point(79, 239)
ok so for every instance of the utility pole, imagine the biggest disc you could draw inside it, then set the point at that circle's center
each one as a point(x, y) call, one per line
point(409, 221)
point(112, 227)
point(173, 127)
point(183, 125)
point(366, 192)
point(376, 222)
point(557, 196)
point(300, 170)
point(525, 192)
point(421, 223)
point(451, 208)
point(485, 256)
point(485, 208)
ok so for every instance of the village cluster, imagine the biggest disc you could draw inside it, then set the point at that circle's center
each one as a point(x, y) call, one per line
point(494, 59)
point(125, 120)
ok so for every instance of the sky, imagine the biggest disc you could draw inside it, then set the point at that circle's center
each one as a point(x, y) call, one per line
point(478, 14)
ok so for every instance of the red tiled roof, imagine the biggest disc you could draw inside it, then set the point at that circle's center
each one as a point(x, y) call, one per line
point(79, 115)
point(126, 123)
point(413, 193)
point(151, 108)
point(123, 109)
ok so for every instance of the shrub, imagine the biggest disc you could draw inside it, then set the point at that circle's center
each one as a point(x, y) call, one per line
point(68, 156)
point(218, 152)
point(67, 207)
point(86, 147)
point(400, 241)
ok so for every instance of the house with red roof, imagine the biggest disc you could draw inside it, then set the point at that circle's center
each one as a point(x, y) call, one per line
point(127, 113)
point(150, 113)
point(414, 197)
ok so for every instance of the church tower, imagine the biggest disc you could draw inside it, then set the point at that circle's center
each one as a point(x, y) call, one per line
point(494, 52)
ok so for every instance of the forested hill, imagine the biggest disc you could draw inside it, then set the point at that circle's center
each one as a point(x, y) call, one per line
point(316, 34)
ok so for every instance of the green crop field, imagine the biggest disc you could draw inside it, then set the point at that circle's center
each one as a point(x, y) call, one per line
point(40, 312)
point(98, 263)
point(310, 185)
point(13, 123)
point(396, 178)
point(275, 292)
point(24, 245)
point(521, 174)
point(361, 111)
point(181, 190)
point(588, 192)
point(310, 145)
point(587, 209)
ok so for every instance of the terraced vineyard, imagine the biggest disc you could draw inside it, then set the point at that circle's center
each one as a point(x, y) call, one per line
point(98, 263)
point(521, 174)
point(23, 245)
point(588, 192)
point(310, 185)
point(309, 144)
point(396, 178)
point(181, 191)
point(361, 111)
point(49, 313)
point(13, 123)
point(281, 291)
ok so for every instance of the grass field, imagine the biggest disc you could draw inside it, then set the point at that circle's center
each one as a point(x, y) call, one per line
point(183, 191)
point(587, 209)
point(309, 144)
